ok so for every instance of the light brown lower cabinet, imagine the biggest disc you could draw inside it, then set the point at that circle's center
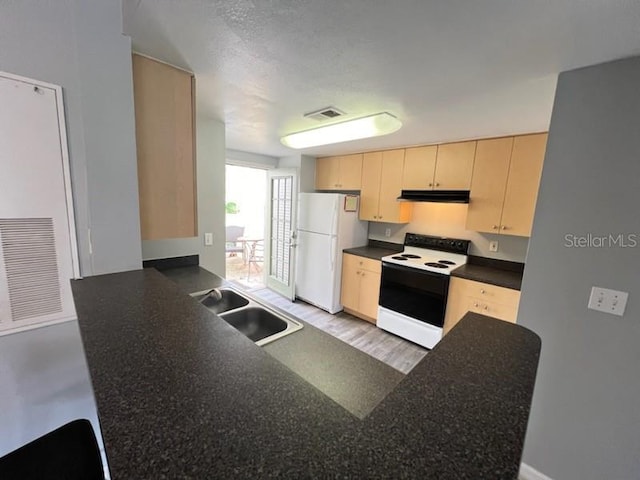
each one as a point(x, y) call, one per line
point(361, 286)
point(471, 296)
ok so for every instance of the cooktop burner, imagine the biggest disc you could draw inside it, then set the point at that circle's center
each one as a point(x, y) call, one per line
point(437, 255)
point(447, 262)
point(436, 265)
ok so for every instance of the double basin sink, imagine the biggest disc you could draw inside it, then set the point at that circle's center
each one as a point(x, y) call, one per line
point(258, 322)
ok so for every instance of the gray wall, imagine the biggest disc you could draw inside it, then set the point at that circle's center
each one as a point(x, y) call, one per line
point(211, 188)
point(78, 45)
point(45, 384)
point(306, 167)
point(249, 159)
point(585, 421)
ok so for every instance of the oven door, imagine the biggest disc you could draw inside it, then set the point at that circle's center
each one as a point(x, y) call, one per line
point(415, 293)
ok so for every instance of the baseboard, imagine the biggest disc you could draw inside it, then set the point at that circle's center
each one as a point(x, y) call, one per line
point(527, 472)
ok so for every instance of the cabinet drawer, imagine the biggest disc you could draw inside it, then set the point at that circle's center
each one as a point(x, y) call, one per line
point(369, 264)
point(491, 293)
point(508, 313)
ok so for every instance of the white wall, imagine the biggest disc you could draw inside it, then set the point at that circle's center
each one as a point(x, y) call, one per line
point(585, 419)
point(78, 45)
point(448, 220)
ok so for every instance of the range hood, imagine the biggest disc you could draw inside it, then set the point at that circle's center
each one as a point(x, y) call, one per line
point(438, 196)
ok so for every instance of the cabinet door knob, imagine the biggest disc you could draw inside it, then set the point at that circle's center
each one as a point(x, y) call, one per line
point(482, 291)
point(486, 307)
point(504, 227)
point(495, 227)
point(475, 305)
point(437, 184)
point(380, 217)
point(362, 274)
point(431, 184)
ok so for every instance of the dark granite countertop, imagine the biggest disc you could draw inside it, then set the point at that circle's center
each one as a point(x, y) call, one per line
point(375, 249)
point(181, 394)
point(496, 272)
point(194, 278)
point(356, 381)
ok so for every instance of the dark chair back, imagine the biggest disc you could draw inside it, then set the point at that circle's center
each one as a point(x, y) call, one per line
point(68, 453)
point(233, 232)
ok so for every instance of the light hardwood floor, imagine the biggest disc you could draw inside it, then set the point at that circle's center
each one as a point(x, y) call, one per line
point(394, 351)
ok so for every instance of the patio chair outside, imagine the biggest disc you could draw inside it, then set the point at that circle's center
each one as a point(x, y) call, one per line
point(255, 256)
point(233, 244)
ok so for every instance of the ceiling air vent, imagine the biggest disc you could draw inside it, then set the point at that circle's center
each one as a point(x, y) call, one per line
point(326, 113)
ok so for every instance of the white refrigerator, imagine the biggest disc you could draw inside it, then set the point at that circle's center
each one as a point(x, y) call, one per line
point(327, 224)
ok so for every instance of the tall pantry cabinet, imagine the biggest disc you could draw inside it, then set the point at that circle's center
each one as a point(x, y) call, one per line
point(165, 138)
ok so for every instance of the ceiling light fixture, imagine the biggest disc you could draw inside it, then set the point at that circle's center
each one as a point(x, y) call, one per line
point(365, 127)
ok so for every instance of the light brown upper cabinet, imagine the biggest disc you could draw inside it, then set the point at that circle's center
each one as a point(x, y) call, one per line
point(524, 180)
point(505, 182)
point(164, 99)
point(443, 167)
point(381, 186)
point(341, 172)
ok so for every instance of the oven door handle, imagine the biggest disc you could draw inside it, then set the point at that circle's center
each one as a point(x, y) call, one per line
point(403, 268)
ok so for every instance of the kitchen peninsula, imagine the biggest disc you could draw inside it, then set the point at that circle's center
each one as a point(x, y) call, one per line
point(181, 394)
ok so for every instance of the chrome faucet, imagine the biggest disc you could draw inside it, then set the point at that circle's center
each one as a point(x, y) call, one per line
point(214, 294)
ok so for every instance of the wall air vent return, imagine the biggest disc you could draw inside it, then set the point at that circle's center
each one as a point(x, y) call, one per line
point(31, 267)
point(326, 113)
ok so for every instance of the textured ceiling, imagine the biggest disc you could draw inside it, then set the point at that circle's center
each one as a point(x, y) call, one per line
point(449, 69)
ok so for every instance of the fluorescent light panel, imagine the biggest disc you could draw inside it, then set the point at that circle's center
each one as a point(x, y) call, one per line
point(365, 127)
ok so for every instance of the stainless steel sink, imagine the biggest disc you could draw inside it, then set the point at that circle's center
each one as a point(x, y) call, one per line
point(230, 301)
point(251, 318)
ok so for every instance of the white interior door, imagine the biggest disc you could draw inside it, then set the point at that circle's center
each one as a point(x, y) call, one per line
point(38, 250)
point(281, 231)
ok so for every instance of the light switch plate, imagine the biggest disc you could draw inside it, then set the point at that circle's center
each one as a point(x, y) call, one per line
point(608, 301)
point(208, 239)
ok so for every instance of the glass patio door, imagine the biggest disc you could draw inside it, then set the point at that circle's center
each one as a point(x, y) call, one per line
point(281, 231)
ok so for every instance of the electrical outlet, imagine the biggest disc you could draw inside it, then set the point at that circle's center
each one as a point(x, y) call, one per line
point(493, 246)
point(208, 239)
point(387, 232)
point(608, 301)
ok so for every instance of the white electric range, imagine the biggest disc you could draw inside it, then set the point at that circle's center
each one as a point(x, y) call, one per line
point(415, 284)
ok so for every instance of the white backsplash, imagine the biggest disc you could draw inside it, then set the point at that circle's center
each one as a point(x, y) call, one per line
point(448, 220)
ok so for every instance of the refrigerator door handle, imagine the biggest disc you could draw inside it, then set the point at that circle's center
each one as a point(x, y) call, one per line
point(333, 239)
point(334, 218)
